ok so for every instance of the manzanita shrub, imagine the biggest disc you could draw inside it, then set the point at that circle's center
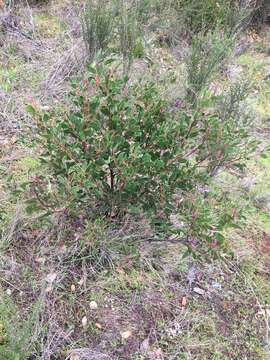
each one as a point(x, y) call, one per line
point(121, 146)
point(118, 147)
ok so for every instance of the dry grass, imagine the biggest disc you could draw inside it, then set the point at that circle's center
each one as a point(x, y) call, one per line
point(149, 292)
point(35, 66)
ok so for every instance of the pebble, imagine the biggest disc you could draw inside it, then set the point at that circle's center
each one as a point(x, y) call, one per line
point(199, 291)
point(93, 305)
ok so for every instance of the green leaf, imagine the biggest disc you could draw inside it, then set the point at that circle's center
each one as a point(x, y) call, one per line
point(30, 109)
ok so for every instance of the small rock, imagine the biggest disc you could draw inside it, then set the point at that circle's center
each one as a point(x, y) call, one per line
point(216, 285)
point(198, 290)
point(50, 278)
point(93, 305)
point(126, 334)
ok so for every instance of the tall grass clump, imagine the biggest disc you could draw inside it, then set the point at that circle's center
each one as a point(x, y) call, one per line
point(198, 16)
point(208, 54)
point(97, 25)
point(113, 28)
point(201, 15)
point(128, 32)
point(221, 115)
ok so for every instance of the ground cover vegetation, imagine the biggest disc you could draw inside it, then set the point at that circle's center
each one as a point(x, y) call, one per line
point(134, 209)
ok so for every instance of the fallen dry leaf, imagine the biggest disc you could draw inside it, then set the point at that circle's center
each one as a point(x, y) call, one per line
point(84, 321)
point(98, 325)
point(226, 304)
point(144, 345)
point(119, 270)
point(184, 301)
point(199, 276)
point(13, 140)
point(73, 288)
